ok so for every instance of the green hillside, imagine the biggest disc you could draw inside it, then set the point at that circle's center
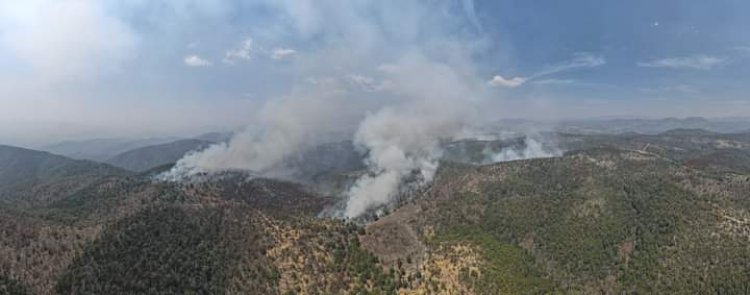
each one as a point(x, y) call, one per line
point(595, 221)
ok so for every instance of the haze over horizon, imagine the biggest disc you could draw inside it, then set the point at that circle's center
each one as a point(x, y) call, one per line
point(92, 69)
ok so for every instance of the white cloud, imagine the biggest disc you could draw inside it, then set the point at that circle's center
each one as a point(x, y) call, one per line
point(387, 68)
point(555, 82)
point(361, 80)
point(695, 62)
point(580, 60)
point(65, 40)
point(741, 52)
point(370, 84)
point(282, 53)
point(240, 53)
point(681, 88)
point(197, 61)
point(499, 81)
point(468, 6)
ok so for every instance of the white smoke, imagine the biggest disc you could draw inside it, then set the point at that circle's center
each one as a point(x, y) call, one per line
point(420, 87)
point(532, 149)
point(312, 115)
point(404, 139)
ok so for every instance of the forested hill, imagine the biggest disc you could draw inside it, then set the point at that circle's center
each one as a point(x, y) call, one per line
point(652, 214)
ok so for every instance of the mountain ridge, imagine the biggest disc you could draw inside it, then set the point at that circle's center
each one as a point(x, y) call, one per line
point(145, 158)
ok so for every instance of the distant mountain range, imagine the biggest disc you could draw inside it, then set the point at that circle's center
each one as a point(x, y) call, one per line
point(35, 176)
point(624, 125)
point(135, 154)
point(146, 158)
point(143, 154)
point(653, 126)
point(103, 149)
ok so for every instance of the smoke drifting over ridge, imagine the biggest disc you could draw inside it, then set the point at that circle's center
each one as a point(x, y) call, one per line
point(310, 115)
point(397, 81)
point(532, 149)
point(404, 138)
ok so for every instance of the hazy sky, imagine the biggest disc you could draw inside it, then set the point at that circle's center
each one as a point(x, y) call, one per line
point(85, 68)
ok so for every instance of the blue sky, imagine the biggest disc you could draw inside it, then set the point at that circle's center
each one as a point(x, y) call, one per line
point(83, 68)
point(705, 42)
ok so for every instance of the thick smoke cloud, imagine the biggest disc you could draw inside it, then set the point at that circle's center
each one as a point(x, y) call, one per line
point(403, 139)
point(416, 85)
point(311, 115)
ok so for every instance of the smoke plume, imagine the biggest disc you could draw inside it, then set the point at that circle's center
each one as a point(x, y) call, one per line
point(285, 126)
point(403, 139)
point(398, 79)
point(532, 149)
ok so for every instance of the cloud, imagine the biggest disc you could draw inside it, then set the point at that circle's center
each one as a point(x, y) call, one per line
point(362, 80)
point(369, 84)
point(240, 53)
point(499, 81)
point(572, 82)
point(387, 68)
point(197, 61)
point(579, 61)
point(681, 88)
point(282, 53)
point(695, 62)
point(65, 40)
point(740, 52)
point(468, 6)
point(555, 82)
